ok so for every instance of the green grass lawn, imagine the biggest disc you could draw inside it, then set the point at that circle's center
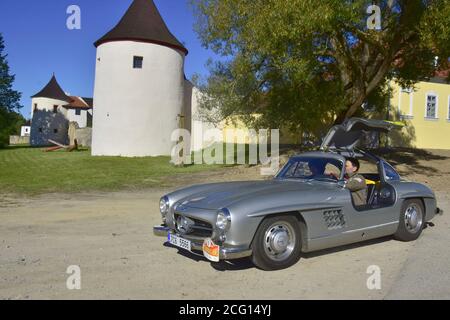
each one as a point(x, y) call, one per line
point(26, 170)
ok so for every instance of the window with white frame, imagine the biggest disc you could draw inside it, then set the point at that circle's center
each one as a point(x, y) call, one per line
point(431, 111)
point(448, 113)
point(410, 93)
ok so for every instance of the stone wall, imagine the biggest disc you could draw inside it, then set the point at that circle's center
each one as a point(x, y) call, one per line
point(15, 140)
point(83, 135)
point(48, 125)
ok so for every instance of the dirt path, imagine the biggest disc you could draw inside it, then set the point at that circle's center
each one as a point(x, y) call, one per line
point(110, 237)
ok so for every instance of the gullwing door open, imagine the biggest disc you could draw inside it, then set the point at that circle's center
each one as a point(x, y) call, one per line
point(348, 134)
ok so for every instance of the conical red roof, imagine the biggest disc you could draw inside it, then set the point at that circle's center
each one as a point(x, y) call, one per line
point(53, 90)
point(142, 22)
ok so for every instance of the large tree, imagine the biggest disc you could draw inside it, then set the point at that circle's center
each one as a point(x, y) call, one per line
point(305, 63)
point(10, 119)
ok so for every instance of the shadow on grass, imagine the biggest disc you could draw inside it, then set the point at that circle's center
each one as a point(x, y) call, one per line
point(230, 155)
point(27, 146)
point(411, 158)
point(17, 147)
point(414, 159)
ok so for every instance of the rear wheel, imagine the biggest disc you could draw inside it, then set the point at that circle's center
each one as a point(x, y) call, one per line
point(277, 243)
point(412, 220)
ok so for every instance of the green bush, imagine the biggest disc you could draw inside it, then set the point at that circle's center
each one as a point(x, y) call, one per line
point(10, 123)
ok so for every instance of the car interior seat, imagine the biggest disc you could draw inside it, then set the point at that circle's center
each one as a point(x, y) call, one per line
point(372, 195)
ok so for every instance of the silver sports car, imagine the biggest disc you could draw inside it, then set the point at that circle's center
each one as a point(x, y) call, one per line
point(305, 208)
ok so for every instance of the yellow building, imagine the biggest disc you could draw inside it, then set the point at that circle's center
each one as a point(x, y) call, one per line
point(425, 109)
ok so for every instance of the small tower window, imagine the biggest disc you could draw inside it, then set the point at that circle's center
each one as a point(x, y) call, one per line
point(35, 106)
point(55, 109)
point(138, 62)
point(55, 130)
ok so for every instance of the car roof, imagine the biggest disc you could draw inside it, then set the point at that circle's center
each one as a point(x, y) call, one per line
point(341, 155)
point(320, 154)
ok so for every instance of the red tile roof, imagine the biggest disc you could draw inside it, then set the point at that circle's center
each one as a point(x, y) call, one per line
point(79, 103)
point(443, 73)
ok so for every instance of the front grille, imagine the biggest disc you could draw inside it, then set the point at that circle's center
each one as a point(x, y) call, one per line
point(199, 228)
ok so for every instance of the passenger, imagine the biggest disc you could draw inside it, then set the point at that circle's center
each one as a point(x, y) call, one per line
point(355, 182)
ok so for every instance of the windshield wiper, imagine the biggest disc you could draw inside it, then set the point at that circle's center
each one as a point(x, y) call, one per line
point(322, 179)
point(296, 178)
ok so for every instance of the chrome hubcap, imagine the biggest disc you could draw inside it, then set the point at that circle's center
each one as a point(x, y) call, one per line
point(413, 218)
point(279, 241)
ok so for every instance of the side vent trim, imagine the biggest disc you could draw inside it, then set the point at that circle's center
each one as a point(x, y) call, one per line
point(334, 219)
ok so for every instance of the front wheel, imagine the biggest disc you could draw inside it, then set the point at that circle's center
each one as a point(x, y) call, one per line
point(412, 220)
point(277, 243)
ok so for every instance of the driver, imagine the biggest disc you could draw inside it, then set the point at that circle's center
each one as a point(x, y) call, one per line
point(315, 169)
point(355, 182)
point(318, 170)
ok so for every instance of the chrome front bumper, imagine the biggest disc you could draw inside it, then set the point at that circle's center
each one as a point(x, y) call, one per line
point(225, 253)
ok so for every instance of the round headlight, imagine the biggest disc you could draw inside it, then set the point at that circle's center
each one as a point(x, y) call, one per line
point(223, 220)
point(164, 205)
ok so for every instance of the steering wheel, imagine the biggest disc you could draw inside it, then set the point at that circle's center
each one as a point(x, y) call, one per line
point(333, 176)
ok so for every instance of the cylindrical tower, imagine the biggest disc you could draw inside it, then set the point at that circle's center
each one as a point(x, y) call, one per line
point(139, 86)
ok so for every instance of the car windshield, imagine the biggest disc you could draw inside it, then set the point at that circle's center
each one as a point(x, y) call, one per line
point(312, 168)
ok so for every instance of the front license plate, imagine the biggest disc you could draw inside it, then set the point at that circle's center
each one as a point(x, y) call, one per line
point(179, 242)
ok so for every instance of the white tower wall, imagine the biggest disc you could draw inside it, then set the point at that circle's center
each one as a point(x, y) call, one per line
point(136, 110)
point(46, 104)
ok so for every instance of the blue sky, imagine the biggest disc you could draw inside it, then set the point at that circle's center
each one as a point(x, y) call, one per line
point(38, 42)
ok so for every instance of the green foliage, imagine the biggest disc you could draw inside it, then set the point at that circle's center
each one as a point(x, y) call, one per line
point(10, 121)
point(10, 124)
point(302, 63)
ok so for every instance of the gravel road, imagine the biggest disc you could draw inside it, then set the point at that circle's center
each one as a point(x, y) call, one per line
point(109, 236)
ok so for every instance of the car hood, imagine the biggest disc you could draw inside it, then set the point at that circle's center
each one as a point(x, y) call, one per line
point(221, 195)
